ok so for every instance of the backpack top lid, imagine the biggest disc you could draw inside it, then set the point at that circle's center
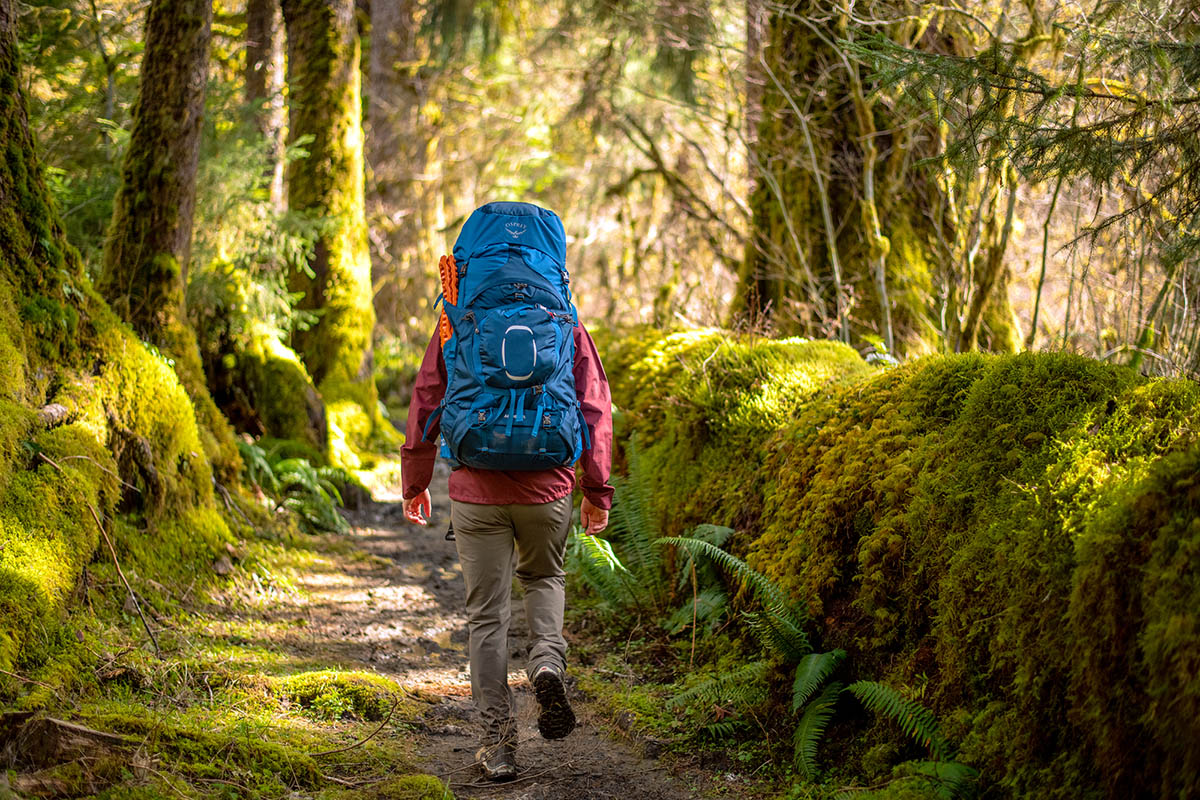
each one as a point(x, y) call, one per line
point(522, 224)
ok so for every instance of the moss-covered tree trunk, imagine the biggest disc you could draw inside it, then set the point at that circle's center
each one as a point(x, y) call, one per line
point(325, 106)
point(144, 274)
point(93, 423)
point(847, 224)
point(264, 85)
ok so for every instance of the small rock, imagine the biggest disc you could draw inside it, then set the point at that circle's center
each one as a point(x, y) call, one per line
point(223, 566)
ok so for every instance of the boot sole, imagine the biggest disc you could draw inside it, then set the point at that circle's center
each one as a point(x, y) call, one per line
point(556, 719)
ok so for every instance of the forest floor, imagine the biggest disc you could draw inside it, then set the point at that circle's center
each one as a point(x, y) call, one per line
point(325, 667)
point(401, 613)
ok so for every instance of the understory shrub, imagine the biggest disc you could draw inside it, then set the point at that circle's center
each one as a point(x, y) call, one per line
point(1016, 534)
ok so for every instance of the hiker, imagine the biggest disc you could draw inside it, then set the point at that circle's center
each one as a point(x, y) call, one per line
point(526, 399)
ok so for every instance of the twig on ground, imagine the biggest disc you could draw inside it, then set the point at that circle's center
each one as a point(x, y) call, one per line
point(361, 742)
point(626, 675)
point(523, 778)
point(116, 562)
point(23, 679)
point(346, 783)
point(230, 503)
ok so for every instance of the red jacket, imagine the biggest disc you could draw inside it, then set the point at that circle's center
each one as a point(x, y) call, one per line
point(500, 487)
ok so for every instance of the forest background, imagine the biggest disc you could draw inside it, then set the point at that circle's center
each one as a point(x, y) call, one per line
point(220, 220)
point(1021, 176)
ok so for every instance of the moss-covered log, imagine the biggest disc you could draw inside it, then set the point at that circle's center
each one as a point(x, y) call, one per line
point(1016, 534)
point(325, 108)
point(124, 437)
point(149, 242)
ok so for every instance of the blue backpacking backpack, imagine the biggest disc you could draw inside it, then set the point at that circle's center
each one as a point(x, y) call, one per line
point(510, 400)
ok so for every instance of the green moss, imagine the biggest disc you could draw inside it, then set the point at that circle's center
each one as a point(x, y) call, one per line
point(1016, 533)
point(706, 402)
point(326, 110)
point(281, 391)
point(331, 694)
point(412, 787)
point(128, 452)
point(206, 746)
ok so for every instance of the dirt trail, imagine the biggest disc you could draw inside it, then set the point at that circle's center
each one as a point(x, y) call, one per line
point(400, 613)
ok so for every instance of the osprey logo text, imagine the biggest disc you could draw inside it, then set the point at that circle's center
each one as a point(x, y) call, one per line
point(515, 228)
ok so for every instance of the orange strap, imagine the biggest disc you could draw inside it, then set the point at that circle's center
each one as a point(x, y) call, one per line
point(448, 270)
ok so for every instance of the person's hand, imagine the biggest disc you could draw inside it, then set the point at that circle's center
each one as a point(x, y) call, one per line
point(417, 509)
point(594, 519)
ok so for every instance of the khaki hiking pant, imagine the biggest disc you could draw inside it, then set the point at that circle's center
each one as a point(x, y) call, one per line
point(485, 536)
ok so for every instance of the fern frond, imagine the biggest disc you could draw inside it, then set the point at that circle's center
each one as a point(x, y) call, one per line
point(633, 529)
point(706, 573)
point(710, 606)
point(742, 689)
point(950, 779)
point(723, 730)
point(258, 468)
point(914, 719)
point(595, 563)
point(762, 587)
point(600, 552)
point(776, 630)
point(811, 729)
point(812, 671)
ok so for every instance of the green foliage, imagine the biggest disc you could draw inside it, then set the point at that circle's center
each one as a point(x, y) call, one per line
point(779, 627)
point(812, 671)
point(914, 719)
point(811, 729)
point(1042, 505)
point(741, 688)
point(309, 491)
point(333, 695)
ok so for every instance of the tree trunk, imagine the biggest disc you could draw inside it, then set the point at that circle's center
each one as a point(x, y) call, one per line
point(846, 218)
point(144, 273)
point(264, 86)
point(402, 154)
point(325, 105)
point(94, 422)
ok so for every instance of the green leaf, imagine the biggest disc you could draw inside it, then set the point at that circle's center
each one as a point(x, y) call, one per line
point(914, 719)
point(812, 671)
point(811, 730)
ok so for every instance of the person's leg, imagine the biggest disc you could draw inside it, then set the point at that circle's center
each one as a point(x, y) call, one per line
point(484, 538)
point(541, 533)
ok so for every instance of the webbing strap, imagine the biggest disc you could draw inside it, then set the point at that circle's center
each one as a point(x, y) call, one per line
point(512, 415)
point(521, 407)
point(541, 409)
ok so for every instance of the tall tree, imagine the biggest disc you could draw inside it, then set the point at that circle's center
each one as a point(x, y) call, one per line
point(852, 231)
point(402, 143)
point(264, 85)
point(144, 273)
point(325, 108)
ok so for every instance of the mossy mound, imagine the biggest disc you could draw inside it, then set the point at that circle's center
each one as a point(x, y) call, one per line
point(95, 425)
point(329, 694)
point(1017, 533)
point(701, 405)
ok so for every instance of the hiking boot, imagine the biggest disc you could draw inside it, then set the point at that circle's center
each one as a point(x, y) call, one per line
point(556, 719)
point(498, 762)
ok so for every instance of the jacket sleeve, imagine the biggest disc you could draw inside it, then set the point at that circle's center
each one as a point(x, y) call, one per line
point(417, 456)
point(591, 386)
